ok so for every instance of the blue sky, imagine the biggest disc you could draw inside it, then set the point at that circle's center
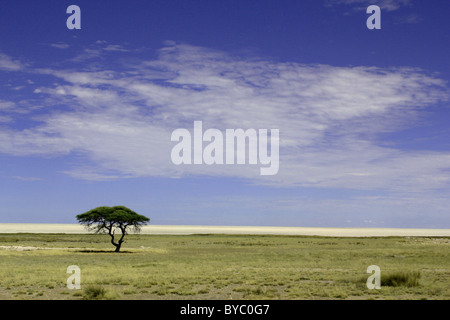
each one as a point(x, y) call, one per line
point(86, 115)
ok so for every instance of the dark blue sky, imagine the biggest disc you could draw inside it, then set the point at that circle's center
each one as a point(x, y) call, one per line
point(304, 31)
point(364, 118)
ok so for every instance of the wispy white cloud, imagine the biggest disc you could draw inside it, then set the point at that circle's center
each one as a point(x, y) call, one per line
point(6, 105)
point(408, 19)
point(87, 54)
point(120, 120)
point(389, 5)
point(21, 178)
point(98, 50)
point(4, 118)
point(115, 47)
point(60, 45)
point(9, 64)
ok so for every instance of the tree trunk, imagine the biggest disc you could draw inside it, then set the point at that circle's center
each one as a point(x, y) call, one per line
point(123, 229)
point(111, 232)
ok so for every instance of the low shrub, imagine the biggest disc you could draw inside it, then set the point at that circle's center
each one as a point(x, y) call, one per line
point(401, 278)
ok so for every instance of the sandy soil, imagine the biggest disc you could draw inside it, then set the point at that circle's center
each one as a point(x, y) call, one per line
point(169, 229)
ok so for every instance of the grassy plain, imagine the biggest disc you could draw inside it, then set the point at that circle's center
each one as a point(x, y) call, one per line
point(33, 266)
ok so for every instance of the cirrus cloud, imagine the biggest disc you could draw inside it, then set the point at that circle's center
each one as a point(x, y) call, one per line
point(118, 120)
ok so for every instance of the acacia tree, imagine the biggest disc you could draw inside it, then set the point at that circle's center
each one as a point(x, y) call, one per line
point(109, 219)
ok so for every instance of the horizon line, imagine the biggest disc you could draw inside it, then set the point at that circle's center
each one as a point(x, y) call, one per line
point(74, 228)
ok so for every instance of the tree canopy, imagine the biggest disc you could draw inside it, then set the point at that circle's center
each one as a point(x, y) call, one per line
point(109, 219)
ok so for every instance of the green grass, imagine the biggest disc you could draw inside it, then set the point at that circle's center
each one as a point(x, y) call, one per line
point(223, 267)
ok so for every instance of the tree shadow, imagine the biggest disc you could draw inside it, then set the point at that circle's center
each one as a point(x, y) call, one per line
point(102, 251)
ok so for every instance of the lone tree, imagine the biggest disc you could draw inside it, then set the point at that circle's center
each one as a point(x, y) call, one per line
point(109, 219)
